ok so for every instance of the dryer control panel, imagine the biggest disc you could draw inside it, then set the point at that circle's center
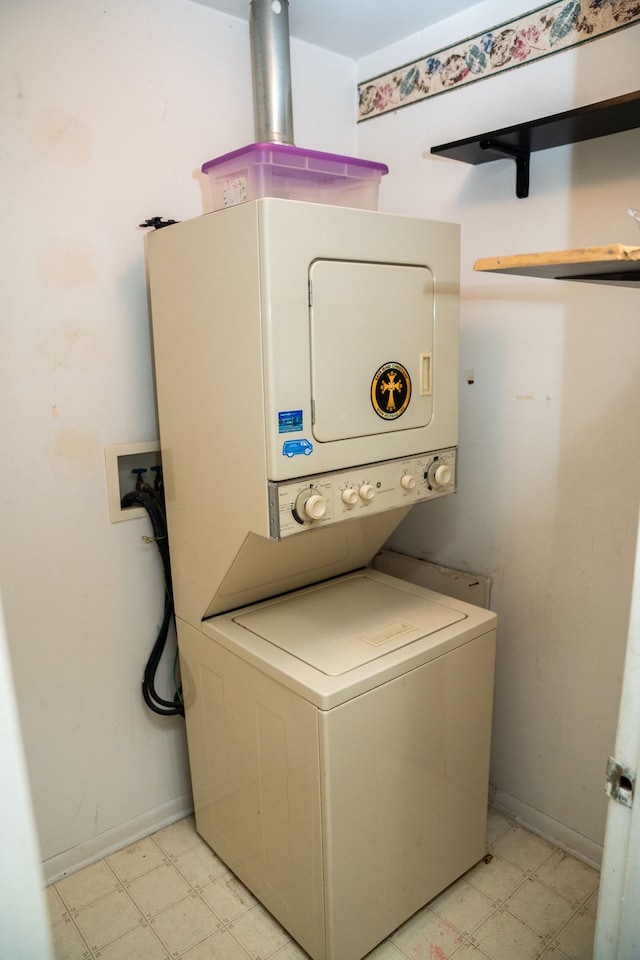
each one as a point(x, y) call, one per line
point(329, 498)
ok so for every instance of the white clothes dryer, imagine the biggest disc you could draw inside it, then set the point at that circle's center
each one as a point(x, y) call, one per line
point(282, 333)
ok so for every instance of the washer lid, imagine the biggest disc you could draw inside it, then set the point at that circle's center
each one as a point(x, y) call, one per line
point(343, 624)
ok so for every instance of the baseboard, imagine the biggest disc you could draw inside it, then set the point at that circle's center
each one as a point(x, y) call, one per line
point(62, 864)
point(552, 830)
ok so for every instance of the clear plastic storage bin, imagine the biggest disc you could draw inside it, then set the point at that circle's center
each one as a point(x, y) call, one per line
point(280, 170)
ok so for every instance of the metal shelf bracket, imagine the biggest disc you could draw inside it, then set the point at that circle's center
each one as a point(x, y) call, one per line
point(521, 157)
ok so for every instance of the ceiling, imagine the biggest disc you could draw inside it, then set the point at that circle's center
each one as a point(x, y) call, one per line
point(354, 28)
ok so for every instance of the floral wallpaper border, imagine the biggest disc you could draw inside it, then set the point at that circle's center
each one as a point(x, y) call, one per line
point(540, 33)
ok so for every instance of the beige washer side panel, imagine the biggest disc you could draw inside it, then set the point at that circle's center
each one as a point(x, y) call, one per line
point(405, 774)
point(253, 751)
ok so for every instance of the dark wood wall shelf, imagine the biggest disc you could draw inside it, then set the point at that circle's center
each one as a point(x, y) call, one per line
point(518, 142)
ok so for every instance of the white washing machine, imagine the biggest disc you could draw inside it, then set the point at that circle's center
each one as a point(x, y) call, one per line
point(339, 743)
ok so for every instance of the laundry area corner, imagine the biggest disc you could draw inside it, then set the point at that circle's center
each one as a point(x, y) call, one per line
point(316, 539)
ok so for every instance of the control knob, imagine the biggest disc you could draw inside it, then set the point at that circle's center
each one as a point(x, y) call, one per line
point(367, 493)
point(407, 481)
point(439, 475)
point(310, 505)
point(350, 496)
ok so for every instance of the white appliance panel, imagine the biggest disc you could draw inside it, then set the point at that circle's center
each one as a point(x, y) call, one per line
point(324, 271)
point(371, 348)
point(312, 502)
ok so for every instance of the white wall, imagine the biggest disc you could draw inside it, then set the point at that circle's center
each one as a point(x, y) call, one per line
point(549, 470)
point(24, 928)
point(109, 110)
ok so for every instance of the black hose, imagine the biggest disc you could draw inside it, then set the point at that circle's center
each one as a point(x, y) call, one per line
point(153, 502)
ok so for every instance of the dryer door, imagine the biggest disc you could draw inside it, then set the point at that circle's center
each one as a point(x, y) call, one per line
point(371, 348)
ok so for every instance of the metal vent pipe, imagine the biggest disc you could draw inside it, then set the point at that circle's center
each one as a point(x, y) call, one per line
point(271, 67)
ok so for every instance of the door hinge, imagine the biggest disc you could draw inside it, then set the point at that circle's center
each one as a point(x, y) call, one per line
point(621, 782)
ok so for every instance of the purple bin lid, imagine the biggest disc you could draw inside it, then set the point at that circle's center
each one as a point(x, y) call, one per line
point(287, 149)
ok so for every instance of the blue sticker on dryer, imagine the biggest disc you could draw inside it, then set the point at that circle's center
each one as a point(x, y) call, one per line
point(289, 421)
point(295, 448)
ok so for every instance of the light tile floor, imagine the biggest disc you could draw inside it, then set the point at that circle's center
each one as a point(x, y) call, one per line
point(168, 897)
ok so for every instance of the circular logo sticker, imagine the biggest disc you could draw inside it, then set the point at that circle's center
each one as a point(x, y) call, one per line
point(390, 391)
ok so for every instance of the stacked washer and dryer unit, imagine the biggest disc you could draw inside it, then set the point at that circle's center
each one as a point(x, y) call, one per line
point(338, 719)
